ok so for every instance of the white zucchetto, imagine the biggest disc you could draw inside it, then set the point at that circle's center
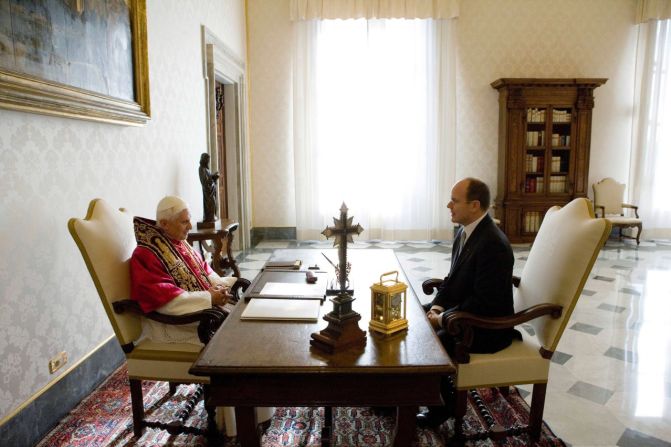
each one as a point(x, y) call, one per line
point(173, 203)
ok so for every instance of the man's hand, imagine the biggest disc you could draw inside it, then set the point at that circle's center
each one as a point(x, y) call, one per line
point(220, 294)
point(434, 317)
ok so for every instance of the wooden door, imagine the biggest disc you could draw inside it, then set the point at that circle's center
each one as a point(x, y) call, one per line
point(221, 152)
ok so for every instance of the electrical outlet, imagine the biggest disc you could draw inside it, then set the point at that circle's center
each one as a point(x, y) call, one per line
point(57, 362)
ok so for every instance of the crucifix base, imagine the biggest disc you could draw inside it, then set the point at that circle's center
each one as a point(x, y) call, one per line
point(342, 332)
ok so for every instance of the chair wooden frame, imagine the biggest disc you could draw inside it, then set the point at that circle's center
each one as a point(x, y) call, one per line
point(125, 314)
point(460, 324)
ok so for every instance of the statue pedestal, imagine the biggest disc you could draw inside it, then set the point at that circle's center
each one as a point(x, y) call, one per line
point(343, 330)
point(206, 225)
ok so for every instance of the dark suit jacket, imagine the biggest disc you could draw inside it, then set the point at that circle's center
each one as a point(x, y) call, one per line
point(480, 282)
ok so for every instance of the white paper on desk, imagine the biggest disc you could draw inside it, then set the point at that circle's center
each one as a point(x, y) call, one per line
point(289, 289)
point(270, 309)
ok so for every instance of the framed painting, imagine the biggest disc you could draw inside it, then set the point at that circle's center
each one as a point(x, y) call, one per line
point(84, 59)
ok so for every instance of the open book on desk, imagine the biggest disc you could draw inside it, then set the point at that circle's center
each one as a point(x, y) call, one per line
point(289, 284)
point(285, 310)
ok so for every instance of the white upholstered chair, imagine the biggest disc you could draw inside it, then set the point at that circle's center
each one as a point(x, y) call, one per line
point(553, 277)
point(609, 199)
point(106, 240)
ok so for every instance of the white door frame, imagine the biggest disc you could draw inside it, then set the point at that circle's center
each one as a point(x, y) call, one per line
point(222, 65)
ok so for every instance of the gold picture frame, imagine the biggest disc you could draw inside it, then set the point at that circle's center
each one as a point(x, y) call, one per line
point(28, 93)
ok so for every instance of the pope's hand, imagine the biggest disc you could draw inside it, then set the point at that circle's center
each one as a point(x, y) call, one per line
point(220, 294)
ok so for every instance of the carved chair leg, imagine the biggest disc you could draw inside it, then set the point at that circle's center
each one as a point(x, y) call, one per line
point(460, 412)
point(536, 413)
point(137, 406)
point(638, 234)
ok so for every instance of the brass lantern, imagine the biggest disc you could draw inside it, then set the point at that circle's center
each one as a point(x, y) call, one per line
point(388, 305)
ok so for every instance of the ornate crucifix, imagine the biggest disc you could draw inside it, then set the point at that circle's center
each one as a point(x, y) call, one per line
point(343, 330)
point(342, 229)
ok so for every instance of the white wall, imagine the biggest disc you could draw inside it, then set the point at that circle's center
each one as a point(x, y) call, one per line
point(552, 39)
point(270, 113)
point(50, 168)
point(509, 38)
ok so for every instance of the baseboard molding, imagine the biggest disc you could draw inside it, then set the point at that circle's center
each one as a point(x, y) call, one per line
point(41, 414)
point(272, 233)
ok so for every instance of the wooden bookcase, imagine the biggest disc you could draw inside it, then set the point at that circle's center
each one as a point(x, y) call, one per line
point(544, 141)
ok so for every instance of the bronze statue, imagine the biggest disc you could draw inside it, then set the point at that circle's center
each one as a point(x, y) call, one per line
point(209, 183)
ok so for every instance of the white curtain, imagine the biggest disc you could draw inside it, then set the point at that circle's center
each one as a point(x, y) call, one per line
point(649, 9)
point(652, 132)
point(374, 126)
point(373, 9)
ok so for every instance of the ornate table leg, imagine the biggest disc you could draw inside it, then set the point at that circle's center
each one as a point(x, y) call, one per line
point(227, 262)
point(405, 425)
point(246, 426)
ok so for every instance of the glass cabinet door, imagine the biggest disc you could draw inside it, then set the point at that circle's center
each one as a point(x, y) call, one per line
point(560, 146)
point(534, 161)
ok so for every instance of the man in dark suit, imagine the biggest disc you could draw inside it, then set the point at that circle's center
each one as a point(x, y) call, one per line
point(479, 282)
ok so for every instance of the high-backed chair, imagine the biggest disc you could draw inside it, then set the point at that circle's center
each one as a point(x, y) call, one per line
point(609, 198)
point(556, 270)
point(106, 240)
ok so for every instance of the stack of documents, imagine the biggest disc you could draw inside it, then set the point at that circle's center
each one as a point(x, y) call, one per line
point(272, 309)
point(283, 265)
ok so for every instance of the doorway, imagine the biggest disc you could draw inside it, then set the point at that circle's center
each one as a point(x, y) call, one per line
point(221, 150)
point(226, 112)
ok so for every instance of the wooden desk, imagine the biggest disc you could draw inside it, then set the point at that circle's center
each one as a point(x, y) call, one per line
point(220, 235)
point(273, 364)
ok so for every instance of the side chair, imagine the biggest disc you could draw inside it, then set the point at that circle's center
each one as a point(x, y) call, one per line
point(106, 240)
point(609, 198)
point(558, 265)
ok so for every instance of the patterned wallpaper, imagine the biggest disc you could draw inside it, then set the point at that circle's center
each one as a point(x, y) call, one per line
point(270, 113)
point(511, 38)
point(50, 168)
point(531, 38)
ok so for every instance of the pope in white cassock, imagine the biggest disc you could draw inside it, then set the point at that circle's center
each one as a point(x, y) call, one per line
point(170, 277)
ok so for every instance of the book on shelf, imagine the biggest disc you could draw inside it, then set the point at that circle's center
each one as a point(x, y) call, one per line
point(535, 115)
point(534, 184)
point(535, 137)
point(559, 140)
point(561, 116)
point(557, 183)
point(534, 163)
point(556, 163)
point(532, 221)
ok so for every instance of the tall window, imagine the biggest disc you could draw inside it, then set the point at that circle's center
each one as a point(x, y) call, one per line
point(652, 183)
point(374, 112)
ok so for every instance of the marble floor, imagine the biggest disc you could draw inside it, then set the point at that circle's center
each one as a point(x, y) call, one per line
point(610, 379)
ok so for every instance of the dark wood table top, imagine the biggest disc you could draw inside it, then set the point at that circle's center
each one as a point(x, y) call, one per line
point(280, 347)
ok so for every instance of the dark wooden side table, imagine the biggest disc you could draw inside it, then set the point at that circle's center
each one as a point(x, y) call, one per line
point(215, 240)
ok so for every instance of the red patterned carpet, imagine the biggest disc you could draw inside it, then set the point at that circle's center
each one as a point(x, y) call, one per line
point(104, 419)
